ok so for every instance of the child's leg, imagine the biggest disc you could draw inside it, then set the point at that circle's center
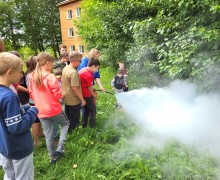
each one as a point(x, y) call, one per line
point(85, 114)
point(64, 122)
point(18, 169)
point(8, 168)
point(47, 124)
point(56, 130)
point(73, 114)
point(24, 168)
point(92, 111)
point(36, 132)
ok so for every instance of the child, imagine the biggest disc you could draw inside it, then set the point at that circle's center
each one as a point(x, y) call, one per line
point(45, 92)
point(93, 54)
point(86, 77)
point(36, 128)
point(58, 66)
point(72, 92)
point(16, 144)
point(122, 67)
point(62, 48)
point(118, 83)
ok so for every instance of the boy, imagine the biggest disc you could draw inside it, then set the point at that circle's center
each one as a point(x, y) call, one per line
point(62, 48)
point(16, 144)
point(58, 66)
point(86, 77)
point(72, 92)
point(118, 83)
point(122, 67)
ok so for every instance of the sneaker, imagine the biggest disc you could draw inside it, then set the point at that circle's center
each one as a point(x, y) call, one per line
point(54, 159)
point(60, 151)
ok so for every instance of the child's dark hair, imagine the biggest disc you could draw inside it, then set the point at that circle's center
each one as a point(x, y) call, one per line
point(94, 62)
point(31, 64)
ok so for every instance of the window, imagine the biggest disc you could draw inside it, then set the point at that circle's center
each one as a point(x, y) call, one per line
point(72, 48)
point(78, 11)
point(70, 32)
point(81, 49)
point(69, 14)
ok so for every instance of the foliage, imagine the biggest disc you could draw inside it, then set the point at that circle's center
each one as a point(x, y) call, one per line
point(158, 39)
point(30, 23)
point(181, 41)
point(10, 25)
point(106, 25)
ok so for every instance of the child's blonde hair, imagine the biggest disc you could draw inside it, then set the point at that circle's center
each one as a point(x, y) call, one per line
point(42, 59)
point(9, 61)
point(93, 53)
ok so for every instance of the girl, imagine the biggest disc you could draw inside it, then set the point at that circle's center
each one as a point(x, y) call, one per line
point(45, 92)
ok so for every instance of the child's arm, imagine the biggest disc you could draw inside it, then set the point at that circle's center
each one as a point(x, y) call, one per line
point(112, 83)
point(91, 90)
point(55, 89)
point(79, 95)
point(16, 121)
point(125, 82)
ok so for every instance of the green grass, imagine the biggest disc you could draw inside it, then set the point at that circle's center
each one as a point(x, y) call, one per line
point(108, 152)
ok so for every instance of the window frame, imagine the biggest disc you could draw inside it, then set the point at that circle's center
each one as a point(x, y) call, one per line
point(78, 12)
point(81, 49)
point(69, 14)
point(69, 32)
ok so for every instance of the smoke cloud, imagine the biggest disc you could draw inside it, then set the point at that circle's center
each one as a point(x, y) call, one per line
point(176, 111)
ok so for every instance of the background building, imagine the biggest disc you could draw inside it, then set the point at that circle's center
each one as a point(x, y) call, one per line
point(69, 11)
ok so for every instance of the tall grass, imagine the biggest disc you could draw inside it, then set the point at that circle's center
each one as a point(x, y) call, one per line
point(107, 151)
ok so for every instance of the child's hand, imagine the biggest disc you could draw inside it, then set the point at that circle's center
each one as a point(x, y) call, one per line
point(103, 90)
point(83, 103)
point(113, 88)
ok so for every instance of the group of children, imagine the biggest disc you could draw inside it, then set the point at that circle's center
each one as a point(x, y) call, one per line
point(51, 87)
point(16, 146)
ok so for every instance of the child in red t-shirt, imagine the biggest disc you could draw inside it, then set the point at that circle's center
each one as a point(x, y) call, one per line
point(86, 77)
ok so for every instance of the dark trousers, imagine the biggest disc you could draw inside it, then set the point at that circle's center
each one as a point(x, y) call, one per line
point(73, 114)
point(89, 112)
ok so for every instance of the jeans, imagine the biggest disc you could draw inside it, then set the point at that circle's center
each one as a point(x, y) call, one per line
point(47, 124)
point(89, 112)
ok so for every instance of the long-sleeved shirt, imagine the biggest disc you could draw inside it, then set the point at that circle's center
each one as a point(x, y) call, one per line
point(15, 123)
point(47, 100)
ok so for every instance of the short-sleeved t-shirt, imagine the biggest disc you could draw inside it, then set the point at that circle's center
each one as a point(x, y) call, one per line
point(86, 77)
point(70, 78)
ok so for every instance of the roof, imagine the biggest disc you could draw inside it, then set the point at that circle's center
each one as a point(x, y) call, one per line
point(61, 3)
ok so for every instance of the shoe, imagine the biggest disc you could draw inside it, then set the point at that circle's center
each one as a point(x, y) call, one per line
point(60, 151)
point(54, 159)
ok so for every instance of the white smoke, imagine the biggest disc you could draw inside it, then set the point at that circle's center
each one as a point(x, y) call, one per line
point(176, 111)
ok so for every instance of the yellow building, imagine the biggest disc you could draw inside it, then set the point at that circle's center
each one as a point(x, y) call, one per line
point(69, 11)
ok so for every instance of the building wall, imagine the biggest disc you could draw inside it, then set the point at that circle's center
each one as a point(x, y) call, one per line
point(66, 23)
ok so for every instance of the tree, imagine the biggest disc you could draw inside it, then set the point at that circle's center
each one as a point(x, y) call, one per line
point(106, 25)
point(32, 23)
point(9, 25)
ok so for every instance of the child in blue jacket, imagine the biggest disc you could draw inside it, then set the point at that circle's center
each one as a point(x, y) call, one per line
point(16, 144)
